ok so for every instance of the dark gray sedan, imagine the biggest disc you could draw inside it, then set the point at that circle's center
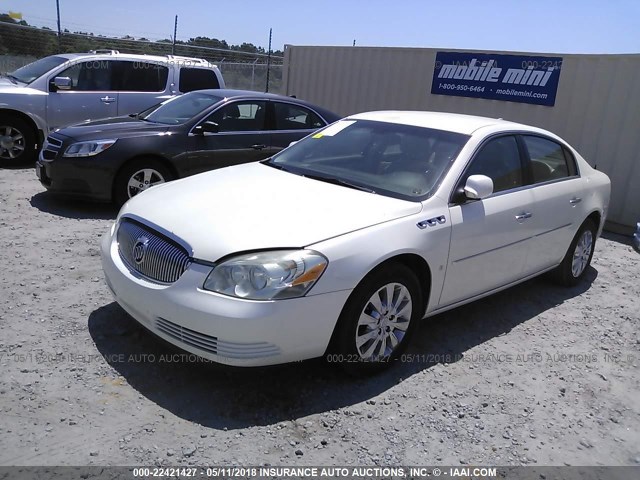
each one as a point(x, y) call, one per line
point(116, 158)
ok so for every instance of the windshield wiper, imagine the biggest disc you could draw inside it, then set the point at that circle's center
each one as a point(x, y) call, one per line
point(14, 79)
point(337, 181)
point(269, 163)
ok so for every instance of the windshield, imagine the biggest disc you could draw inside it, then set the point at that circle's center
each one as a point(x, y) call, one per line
point(400, 161)
point(30, 72)
point(180, 109)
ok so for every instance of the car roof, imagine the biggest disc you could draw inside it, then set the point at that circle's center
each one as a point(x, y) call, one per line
point(328, 115)
point(189, 61)
point(231, 92)
point(452, 122)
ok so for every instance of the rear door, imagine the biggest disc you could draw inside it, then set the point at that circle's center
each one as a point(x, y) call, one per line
point(557, 195)
point(290, 123)
point(140, 85)
point(92, 94)
point(490, 237)
point(242, 138)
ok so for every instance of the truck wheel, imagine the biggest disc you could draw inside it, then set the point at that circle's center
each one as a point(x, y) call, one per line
point(139, 176)
point(17, 141)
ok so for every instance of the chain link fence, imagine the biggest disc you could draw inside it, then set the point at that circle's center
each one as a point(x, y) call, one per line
point(21, 44)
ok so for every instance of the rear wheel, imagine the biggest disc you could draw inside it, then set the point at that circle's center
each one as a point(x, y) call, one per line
point(578, 257)
point(17, 141)
point(139, 176)
point(378, 320)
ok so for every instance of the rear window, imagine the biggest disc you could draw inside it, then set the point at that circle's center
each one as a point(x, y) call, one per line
point(197, 79)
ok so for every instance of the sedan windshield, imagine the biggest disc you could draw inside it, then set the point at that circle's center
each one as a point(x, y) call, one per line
point(180, 109)
point(400, 161)
point(30, 72)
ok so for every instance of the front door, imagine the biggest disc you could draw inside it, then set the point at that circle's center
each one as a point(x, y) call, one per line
point(490, 237)
point(241, 138)
point(92, 94)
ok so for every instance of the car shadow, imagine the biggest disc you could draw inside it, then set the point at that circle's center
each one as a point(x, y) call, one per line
point(618, 237)
point(223, 397)
point(73, 208)
point(13, 165)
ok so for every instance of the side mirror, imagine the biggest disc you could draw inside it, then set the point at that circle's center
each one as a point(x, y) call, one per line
point(206, 127)
point(62, 83)
point(478, 187)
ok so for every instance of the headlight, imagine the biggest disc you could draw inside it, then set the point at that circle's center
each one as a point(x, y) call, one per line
point(88, 149)
point(267, 275)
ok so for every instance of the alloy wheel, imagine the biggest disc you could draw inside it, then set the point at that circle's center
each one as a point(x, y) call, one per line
point(142, 180)
point(12, 143)
point(383, 322)
point(582, 253)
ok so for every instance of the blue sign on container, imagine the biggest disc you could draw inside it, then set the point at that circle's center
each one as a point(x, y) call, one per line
point(511, 78)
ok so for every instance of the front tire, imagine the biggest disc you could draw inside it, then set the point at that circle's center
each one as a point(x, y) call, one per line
point(578, 258)
point(378, 320)
point(17, 141)
point(137, 176)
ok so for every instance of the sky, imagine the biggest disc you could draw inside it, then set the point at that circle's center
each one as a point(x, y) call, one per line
point(541, 26)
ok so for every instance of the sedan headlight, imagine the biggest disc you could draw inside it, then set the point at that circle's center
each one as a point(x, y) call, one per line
point(88, 149)
point(267, 275)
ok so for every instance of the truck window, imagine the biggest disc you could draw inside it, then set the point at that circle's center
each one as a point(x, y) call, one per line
point(197, 79)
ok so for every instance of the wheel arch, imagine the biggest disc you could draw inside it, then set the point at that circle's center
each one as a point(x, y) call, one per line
point(596, 217)
point(414, 262)
point(37, 129)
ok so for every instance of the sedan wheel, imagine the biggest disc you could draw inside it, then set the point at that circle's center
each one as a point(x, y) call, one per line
point(139, 175)
point(377, 321)
point(142, 180)
point(578, 256)
point(383, 322)
point(582, 253)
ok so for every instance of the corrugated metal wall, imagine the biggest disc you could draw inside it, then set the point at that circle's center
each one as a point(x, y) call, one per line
point(597, 106)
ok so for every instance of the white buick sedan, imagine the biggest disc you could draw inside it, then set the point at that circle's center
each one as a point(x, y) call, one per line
point(341, 243)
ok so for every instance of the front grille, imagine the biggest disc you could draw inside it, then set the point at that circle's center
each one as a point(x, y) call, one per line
point(150, 253)
point(214, 345)
point(51, 148)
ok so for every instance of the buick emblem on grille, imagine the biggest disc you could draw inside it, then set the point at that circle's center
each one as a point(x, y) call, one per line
point(139, 249)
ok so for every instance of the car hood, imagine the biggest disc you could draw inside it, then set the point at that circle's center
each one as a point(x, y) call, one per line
point(8, 87)
point(254, 206)
point(115, 127)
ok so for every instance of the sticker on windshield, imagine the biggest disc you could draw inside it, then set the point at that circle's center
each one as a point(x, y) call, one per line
point(333, 129)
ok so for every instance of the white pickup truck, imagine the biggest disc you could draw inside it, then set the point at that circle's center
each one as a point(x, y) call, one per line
point(69, 88)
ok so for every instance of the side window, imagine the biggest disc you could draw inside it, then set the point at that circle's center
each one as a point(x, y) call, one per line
point(141, 76)
point(245, 116)
point(499, 159)
point(293, 117)
point(548, 159)
point(90, 76)
point(197, 79)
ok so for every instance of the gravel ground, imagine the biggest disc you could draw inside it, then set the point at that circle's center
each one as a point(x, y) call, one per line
point(537, 374)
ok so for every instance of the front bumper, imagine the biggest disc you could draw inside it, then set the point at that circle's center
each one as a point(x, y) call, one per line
point(75, 177)
point(223, 329)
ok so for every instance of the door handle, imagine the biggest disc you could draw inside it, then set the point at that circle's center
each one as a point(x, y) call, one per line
point(575, 200)
point(107, 99)
point(258, 146)
point(523, 216)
